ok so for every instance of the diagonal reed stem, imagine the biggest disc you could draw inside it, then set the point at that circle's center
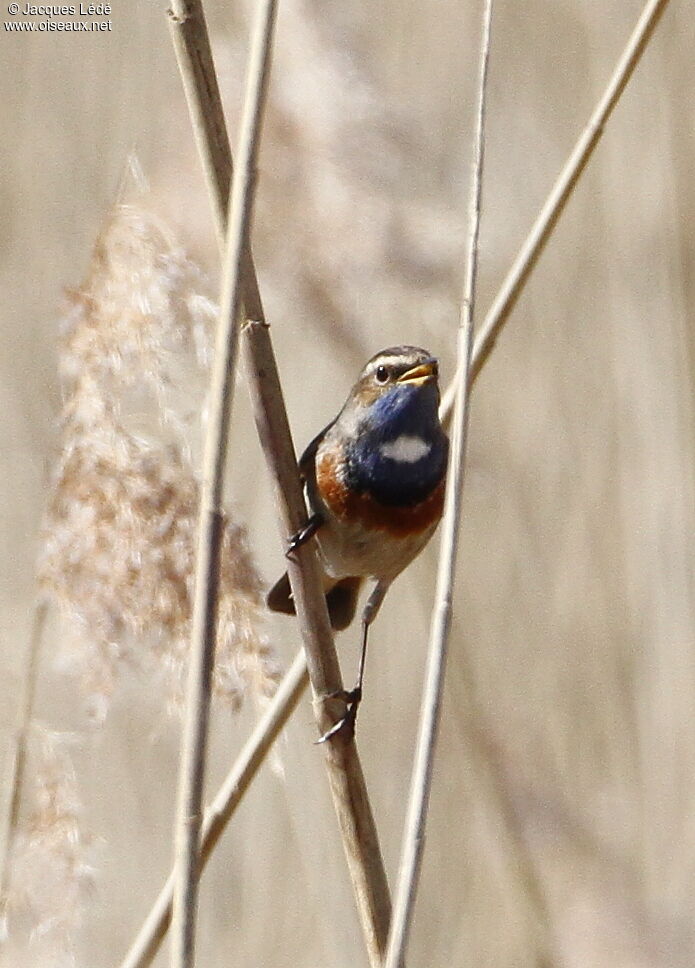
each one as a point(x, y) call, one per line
point(189, 36)
point(195, 63)
point(554, 205)
point(345, 776)
point(346, 779)
point(193, 754)
point(153, 931)
point(421, 781)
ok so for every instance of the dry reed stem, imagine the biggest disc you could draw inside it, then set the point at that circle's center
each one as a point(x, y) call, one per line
point(344, 769)
point(423, 763)
point(350, 798)
point(554, 205)
point(218, 814)
point(189, 35)
point(206, 105)
point(25, 714)
point(193, 755)
point(193, 54)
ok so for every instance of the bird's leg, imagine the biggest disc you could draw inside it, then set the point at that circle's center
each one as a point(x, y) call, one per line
point(302, 536)
point(353, 698)
point(368, 615)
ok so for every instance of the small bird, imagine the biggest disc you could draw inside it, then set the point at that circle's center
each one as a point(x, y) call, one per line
point(374, 483)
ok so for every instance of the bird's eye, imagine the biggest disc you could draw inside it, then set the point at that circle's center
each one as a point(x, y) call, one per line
point(382, 374)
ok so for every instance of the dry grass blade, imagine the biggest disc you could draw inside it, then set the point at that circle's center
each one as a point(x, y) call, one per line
point(421, 782)
point(535, 242)
point(345, 773)
point(192, 769)
point(153, 931)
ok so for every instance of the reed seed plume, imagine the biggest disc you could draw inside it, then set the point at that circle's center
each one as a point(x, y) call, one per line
point(119, 539)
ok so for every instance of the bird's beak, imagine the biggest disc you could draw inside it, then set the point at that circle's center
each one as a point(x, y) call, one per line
point(422, 373)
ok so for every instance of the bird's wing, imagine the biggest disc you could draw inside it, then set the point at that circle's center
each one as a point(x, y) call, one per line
point(306, 461)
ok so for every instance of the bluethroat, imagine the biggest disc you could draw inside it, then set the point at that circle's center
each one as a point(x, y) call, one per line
point(374, 483)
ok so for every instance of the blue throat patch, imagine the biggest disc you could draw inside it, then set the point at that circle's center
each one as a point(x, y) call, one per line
point(409, 411)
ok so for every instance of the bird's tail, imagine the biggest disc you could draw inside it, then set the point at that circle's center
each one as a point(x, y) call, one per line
point(341, 600)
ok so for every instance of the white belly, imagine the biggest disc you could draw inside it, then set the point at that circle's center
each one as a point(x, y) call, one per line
point(350, 550)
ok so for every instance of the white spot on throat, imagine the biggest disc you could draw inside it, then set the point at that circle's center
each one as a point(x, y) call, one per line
point(405, 449)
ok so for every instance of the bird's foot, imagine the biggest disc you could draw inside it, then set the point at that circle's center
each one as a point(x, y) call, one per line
point(345, 727)
point(302, 536)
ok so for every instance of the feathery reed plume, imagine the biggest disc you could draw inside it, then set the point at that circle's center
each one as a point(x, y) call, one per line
point(51, 873)
point(119, 538)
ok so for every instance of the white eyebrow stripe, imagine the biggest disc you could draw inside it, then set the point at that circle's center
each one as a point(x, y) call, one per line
point(388, 361)
point(405, 449)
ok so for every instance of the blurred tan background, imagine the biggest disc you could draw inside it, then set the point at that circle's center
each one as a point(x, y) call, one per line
point(562, 825)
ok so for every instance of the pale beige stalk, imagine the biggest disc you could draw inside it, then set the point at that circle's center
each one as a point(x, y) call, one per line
point(25, 713)
point(421, 780)
point(554, 205)
point(193, 754)
point(345, 774)
point(153, 931)
point(190, 39)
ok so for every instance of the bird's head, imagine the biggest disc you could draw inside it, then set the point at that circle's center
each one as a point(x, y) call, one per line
point(398, 388)
point(388, 436)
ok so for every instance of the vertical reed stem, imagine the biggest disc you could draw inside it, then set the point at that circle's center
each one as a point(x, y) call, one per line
point(421, 781)
point(344, 770)
point(192, 770)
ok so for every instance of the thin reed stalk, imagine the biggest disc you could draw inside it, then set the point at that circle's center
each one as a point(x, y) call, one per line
point(192, 769)
point(345, 775)
point(25, 714)
point(189, 35)
point(218, 814)
point(191, 43)
point(346, 779)
point(421, 781)
point(554, 205)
